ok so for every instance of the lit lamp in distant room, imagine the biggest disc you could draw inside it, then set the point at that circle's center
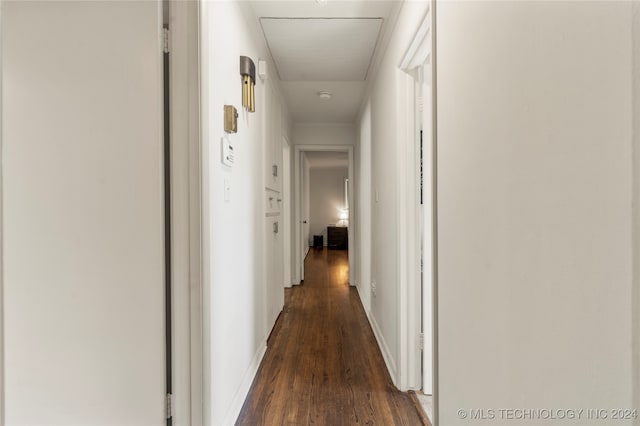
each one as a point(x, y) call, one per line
point(344, 217)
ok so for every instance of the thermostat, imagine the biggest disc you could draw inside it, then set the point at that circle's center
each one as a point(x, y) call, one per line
point(228, 153)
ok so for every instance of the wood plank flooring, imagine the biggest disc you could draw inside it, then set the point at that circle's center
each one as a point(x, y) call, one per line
point(322, 365)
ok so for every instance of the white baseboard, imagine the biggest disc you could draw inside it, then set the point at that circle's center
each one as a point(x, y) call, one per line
point(359, 288)
point(384, 348)
point(238, 400)
point(382, 344)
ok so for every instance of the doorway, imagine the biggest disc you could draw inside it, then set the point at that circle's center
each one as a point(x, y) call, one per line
point(342, 214)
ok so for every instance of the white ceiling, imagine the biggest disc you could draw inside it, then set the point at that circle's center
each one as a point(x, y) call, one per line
point(306, 106)
point(327, 159)
point(316, 49)
point(330, 9)
point(312, 52)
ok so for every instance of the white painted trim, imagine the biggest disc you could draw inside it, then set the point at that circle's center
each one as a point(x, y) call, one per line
point(240, 396)
point(1, 244)
point(298, 260)
point(298, 172)
point(410, 214)
point(433, 78)
point(205, 219)
point(402, 194)
point(186, 219)
point(427, 214)
point(196, 228)
point(286, 213)
point(408, 231)
point(420, 47)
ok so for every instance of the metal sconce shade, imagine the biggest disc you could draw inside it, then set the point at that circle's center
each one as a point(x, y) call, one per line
point(247, 67)
point(248, 73)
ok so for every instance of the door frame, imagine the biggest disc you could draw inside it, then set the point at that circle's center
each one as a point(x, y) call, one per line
point(2, 399)
point(186, 212)
point(286, 211)
point(298, 193)
point(418, 83)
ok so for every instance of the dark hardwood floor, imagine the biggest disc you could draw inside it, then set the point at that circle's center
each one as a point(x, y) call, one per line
point(322, 365)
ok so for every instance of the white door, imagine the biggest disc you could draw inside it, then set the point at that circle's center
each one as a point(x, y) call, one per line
point(83, 213)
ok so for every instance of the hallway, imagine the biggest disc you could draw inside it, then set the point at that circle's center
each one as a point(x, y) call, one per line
point(322, 365)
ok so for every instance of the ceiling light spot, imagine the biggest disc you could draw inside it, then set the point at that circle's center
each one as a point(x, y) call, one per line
point(323, 94)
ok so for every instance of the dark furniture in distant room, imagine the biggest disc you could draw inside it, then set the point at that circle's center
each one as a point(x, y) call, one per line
point(337, 237)
point(318, 241)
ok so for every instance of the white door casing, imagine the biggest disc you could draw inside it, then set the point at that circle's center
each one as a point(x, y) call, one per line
point(418, 66)
point(286, 210)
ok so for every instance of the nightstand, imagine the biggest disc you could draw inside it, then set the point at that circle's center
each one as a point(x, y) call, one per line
point(338, 237)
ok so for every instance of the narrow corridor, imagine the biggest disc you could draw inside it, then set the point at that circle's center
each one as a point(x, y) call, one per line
point(323, 365)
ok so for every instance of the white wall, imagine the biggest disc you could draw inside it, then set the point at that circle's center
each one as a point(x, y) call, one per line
point(636, 205)
point(386, 97)
point(324, 134)
point(326, 199)
point(534, 218)
point(233, 285)
point(82, 207)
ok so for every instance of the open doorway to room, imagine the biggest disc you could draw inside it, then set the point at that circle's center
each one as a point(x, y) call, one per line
point(328, 208)
point(324, 208)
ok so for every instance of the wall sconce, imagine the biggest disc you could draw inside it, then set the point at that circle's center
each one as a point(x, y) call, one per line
point(248, 73)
